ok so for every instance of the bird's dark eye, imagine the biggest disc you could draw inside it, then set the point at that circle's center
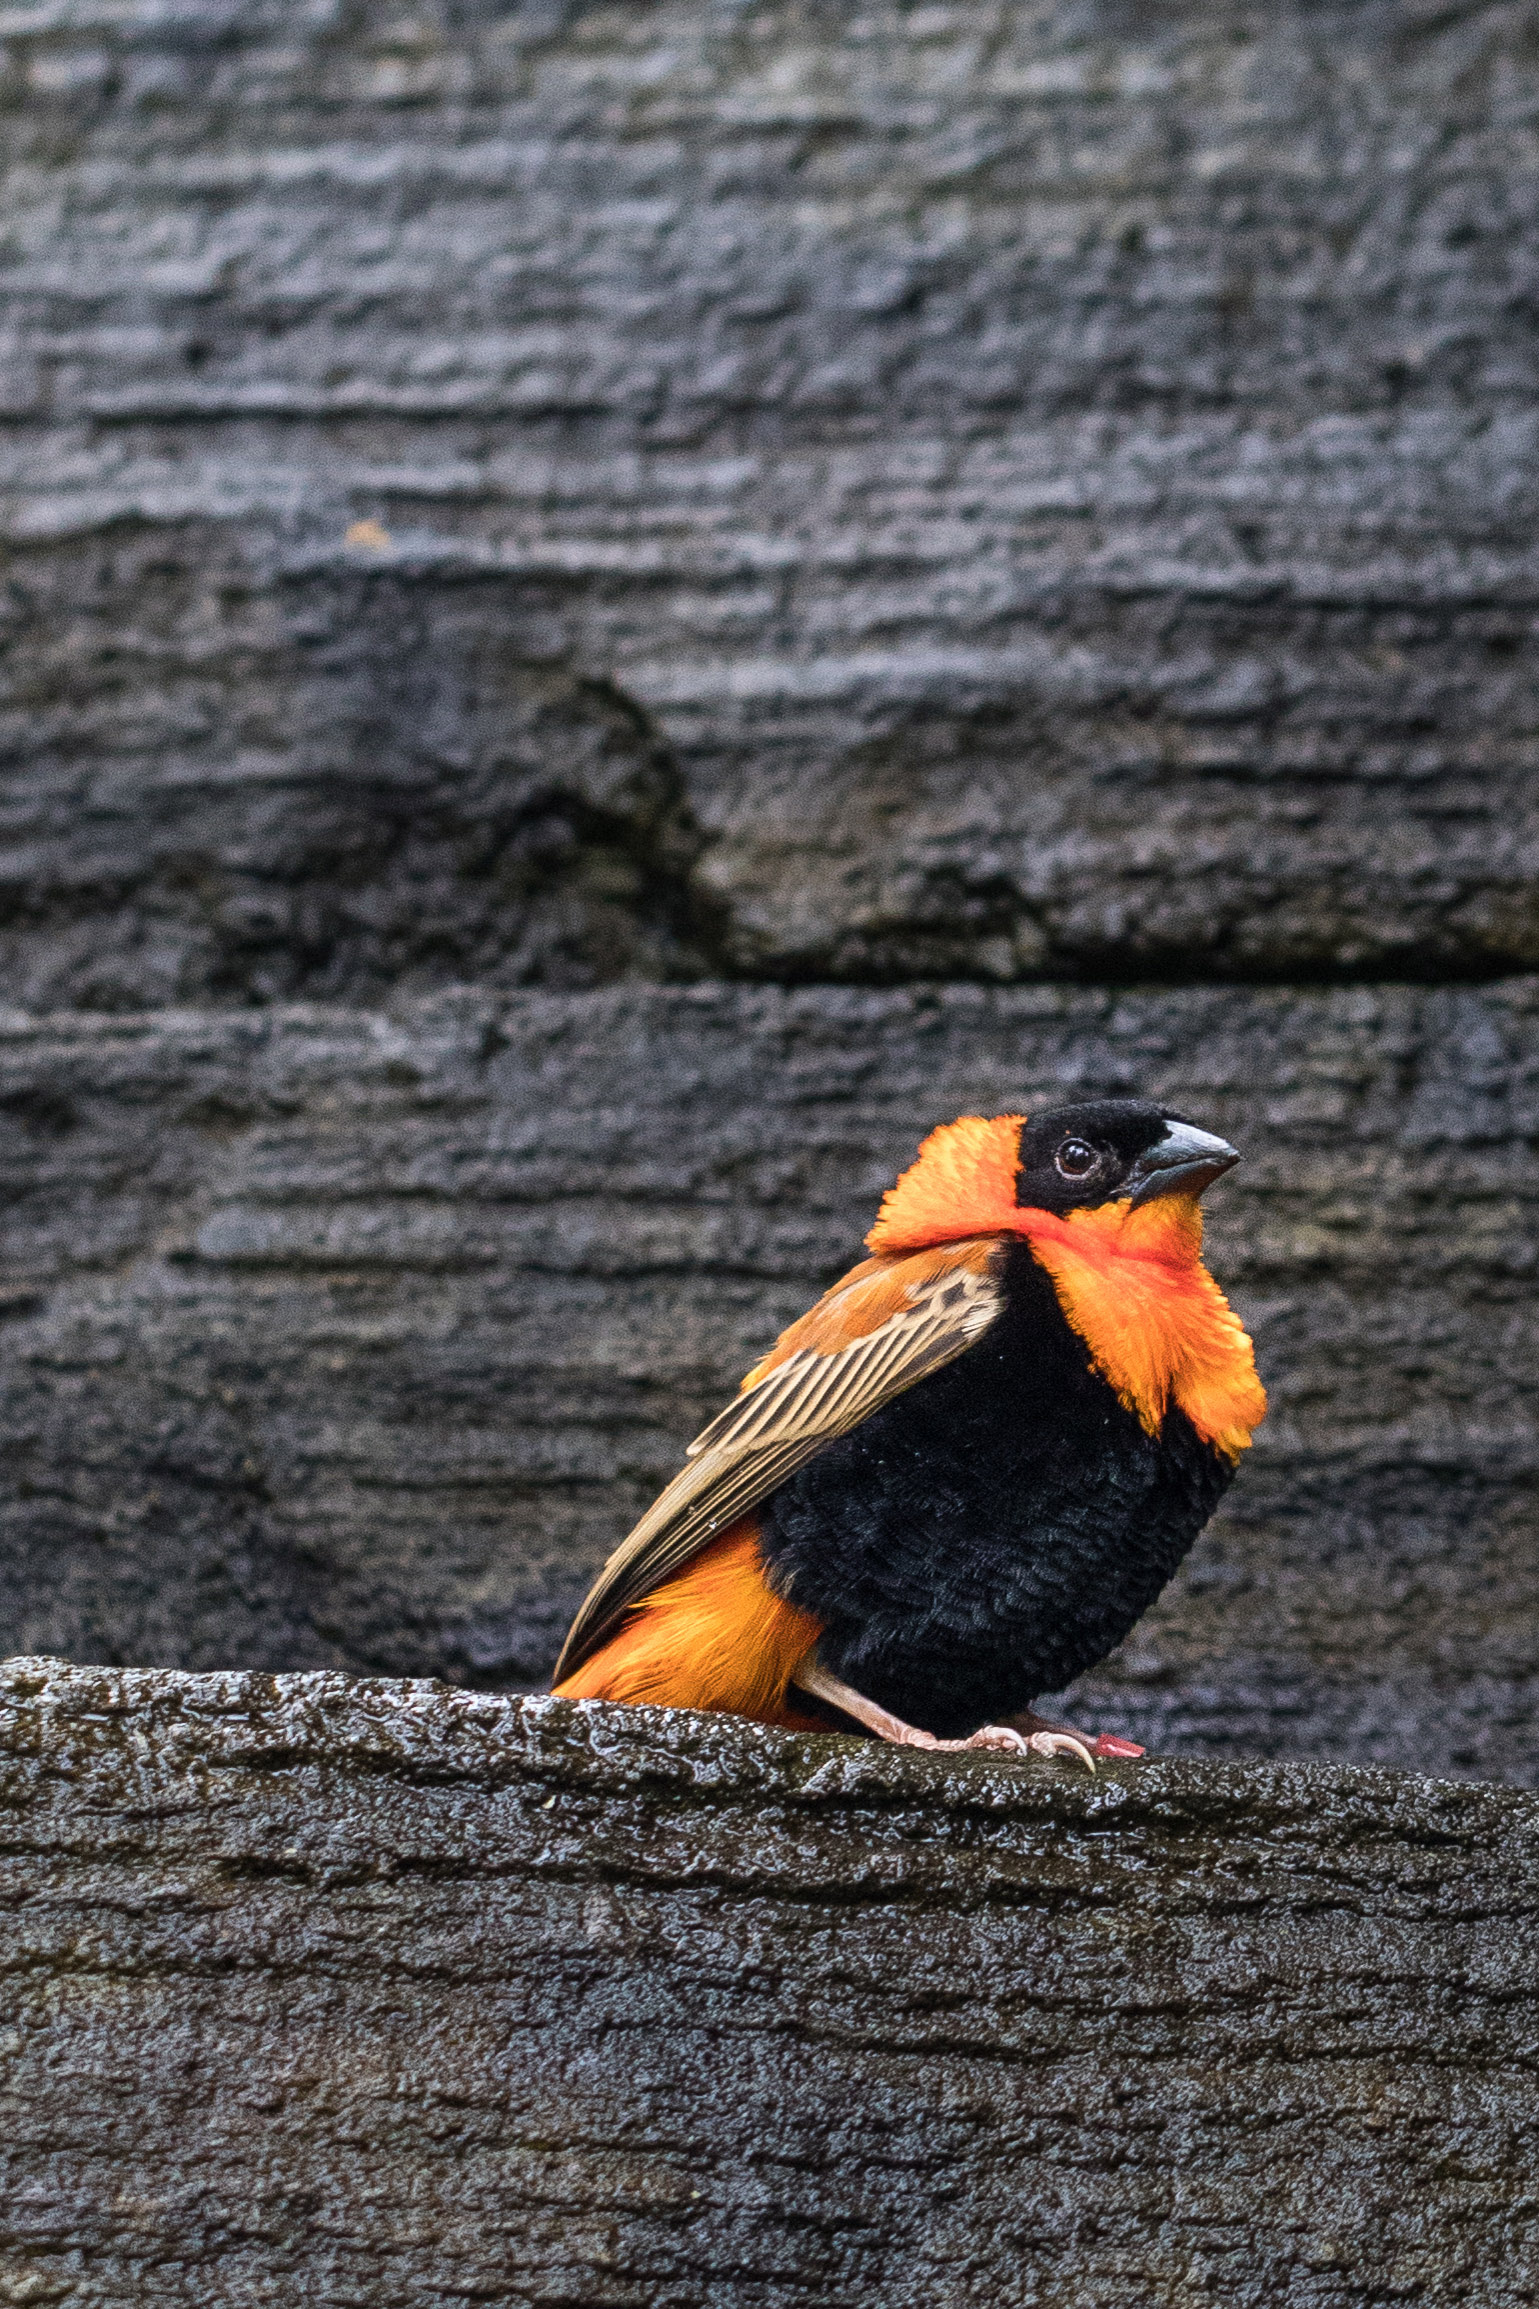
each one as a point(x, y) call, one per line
point(1075, 1159)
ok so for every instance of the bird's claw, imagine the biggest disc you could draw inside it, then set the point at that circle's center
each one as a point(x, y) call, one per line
point(1059, 1744)
point(1047, 1744)
point(995, 1736)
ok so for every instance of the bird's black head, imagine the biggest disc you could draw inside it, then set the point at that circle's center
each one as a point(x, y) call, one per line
point(1109, 1149)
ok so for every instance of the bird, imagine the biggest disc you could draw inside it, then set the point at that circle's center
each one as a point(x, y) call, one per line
point(959, 1480)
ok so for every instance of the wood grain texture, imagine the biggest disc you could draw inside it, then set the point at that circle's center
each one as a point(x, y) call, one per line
point(352, 1992)
point(983, 491)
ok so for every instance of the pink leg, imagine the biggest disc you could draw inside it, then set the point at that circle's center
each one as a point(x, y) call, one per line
point(1047, 1740)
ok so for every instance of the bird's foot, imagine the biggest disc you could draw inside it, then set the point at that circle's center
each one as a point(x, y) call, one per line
point(1051, 1740)
point(1042, 1740)
point(1103, 1744)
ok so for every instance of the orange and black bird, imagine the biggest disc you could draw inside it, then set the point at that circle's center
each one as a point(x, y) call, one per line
point(958, 1481)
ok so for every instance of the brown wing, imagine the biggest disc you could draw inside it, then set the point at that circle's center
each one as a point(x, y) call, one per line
point(889, 1323)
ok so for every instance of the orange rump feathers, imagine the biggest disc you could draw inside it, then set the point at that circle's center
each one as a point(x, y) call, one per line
point(716, 1636)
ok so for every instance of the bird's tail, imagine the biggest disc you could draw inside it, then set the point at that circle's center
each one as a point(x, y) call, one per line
point(716, 1636)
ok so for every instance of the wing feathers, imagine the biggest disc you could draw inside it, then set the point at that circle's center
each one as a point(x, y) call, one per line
point(885, 1326)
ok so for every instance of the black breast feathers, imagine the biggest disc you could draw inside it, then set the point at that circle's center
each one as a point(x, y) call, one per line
point(994, 1531)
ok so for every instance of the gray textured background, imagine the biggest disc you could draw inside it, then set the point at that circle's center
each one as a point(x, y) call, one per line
point(921, 556)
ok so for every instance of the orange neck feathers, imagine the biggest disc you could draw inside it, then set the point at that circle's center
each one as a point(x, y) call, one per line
point(1133, 1285)
point(962, 1184)
point(1130, 1282)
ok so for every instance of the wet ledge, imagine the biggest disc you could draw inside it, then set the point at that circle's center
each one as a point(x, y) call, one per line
point(353, 1991)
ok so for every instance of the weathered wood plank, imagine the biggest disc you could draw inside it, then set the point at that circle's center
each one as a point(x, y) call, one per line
point(352, 1992)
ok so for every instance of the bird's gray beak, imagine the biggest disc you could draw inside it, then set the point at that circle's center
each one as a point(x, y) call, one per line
point(1183, 1162)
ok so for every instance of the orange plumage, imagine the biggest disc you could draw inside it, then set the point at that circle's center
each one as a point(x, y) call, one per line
point(717, 1636)
point(963, 1183)
point(1159, 1329)
point(868, 1296)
